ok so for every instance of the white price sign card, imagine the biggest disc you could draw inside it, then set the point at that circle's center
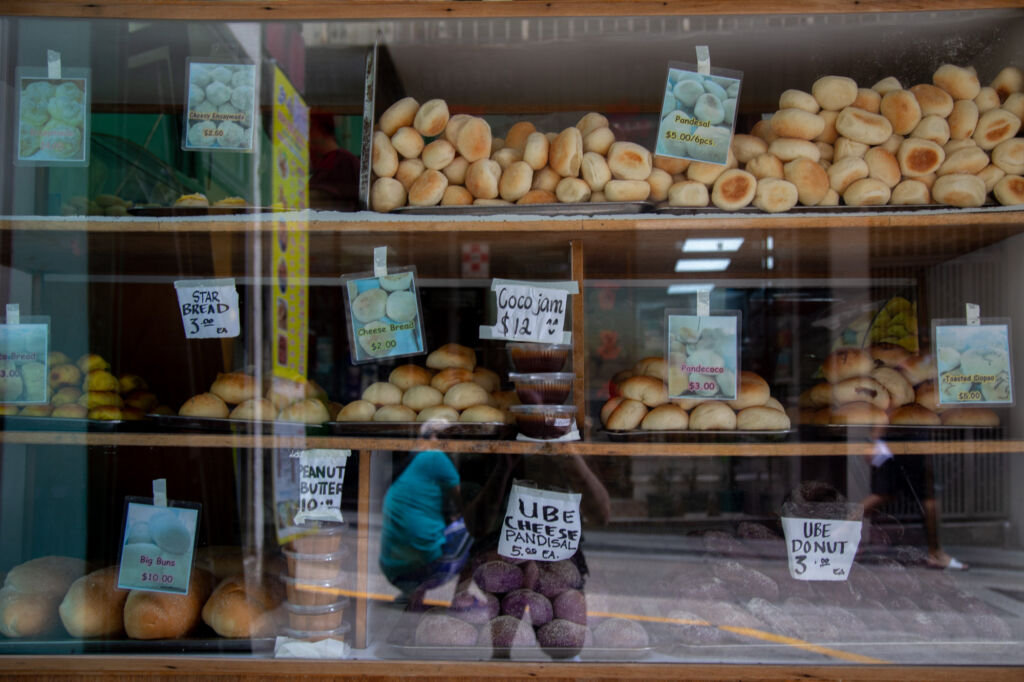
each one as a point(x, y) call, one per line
point(156, 552)
point(220, 111)
point(821, 549)
point(209, 308)
point(973, 363)
point(385, 319)
point(698, 113)
point(23, 362)
point(53, 122)
point(703, 356)
point(530, 311)
point(321, 478)
point(540, 524)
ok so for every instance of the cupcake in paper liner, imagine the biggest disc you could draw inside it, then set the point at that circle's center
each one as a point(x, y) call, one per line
point(61, 140)
point(66, 110)
point(198, 137)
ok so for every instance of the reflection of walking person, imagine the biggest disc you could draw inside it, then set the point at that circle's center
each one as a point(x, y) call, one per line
point(421, 546)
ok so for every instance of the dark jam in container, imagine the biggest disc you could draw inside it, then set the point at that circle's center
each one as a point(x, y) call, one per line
point(544, 422)
point(546, 388)
point(538, 357)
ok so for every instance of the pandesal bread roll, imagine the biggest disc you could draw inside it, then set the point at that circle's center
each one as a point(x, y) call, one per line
point(455, 123)
point(452, 355)
point(382, 393)
point(159, 615)
point(401, 113)
point(765, 166)
point(609, 407)
point(599, 140)
point(987, 99)
point(356, 411)
point(490, 380)
point(386, 195)
point(896, 385)
point(918, 369)
point(518, 134)
point(845, 147)
point(629, 161)
point(919, 157)
point(969, 160)
point(963, 120)
point(566, 153)
point(867, 192)
point(887, 85)
point(572, 190)
point(860, 389)
point(94, 606)
point(546, 179)
point(1015, 104)
point(506, 156)
point(515, 181)
point(254, 409)
point(707, 173)
point(308, 411)
point(438, 413)
point(438, 154)
point(934, 101)
point(456, 195)
point(746, 147)
point(963, 191)
point(431, 118)
point(665, 418)
point(473, 140)
point(1009, 191)
point(712, 416)
point(970, 416)
point(847, 171)
point(845, 363)
point(674, 166)
point(958, 81)
point(763, 129)
point(592, 121)
point(407, 376)
point(421, 397)
point(235, 387)
point(888, 354)
point(688, 193)
point(456, 171)
point(407, 142)
point(994, 127)
point(627, 415)
point(627, 190)
point(797, 123)
point(408, 171)
point(648, 390)
point(914, 415)
point(798, 99)
point(990, 175)
point(852, 414)
point(883, 166)
point(868, 100)
point(956, 145)
point(863, 126)
point(774, 195)
point(902, 110)
point(482, 178)
point(810, 179)
point(826, 152)
point(1008, 81)
point(659, 182)
point(238, 608)
point(394, 413)
point(450, 376)
point(384, 160)
point(892, 145)
point(204, 405)
point(535, 151)
point(538, 196)
point(762, 418)
point(788, 148)
point(595, 171)
point(653, 366)
point(1009, 155)
point(466, 394)
point(752, 391)
point(734, 190)
point(834, 93)
point(932, 128)
point(482, 414)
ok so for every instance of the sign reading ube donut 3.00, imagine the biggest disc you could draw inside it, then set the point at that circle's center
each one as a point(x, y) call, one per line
point(698, 113)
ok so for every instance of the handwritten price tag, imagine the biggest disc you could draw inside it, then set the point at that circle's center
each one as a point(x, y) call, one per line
point(821, 549)
point(209, 308)
point(540, 524)
point(321, 478)
point(528, 312)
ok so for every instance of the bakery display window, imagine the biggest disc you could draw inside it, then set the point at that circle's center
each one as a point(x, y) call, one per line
point(419, 343)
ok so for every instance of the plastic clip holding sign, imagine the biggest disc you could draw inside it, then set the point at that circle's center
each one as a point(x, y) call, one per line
point(209, 308)
point(158, 543)
point(321, 477)
point(53, 69)
point(13, 313)
point(530, 311)
point(540, 524)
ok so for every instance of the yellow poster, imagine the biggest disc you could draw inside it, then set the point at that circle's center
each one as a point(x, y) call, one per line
point(290, 250)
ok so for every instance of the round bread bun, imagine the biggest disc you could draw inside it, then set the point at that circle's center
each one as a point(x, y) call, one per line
point(456, 171)
point(888, 354)
point(421, 397)
point(688, 193)
point(899, 389)
point(798, 99)
point(382, 393)
point(408, 171)
point(546, 179)
point(863, 126)
point(386, 195)
point(918, 369)
point(452, 355)
point(810, 179)
point(995, 126)
point(860, 389)
point(774, 195)
point(987, 100)
point(447, 378)
point(1008, 81)
point(401, 113)
point(734, 189)
point(442, 413)
point(774, 404)
point(753, 391)
point(867, 192)
point(969, 160)
point(910, 193)
point(467, 394)
point(963, 191)
point(762, 418)
point(482, 178)
point(407, 376)
point(566, 153)
point(970, 416)
point(858, 413)
point(599, 141)
point(919, 157)
point(609, 407)
point(834, 92)
point(235, 387)
point(629, 161)
point(830, 134)
point(963, 120)
point(592, 121)
point(438, 154)
point(934, 128)
point(394, 413)
point(535, 151)
point(927, 395)
point(991, 175)
point(627, 416)
point(847, 171)
point(845, 147)
point(537, 196)
point(357, 411)
point(883, 166)
point(431, 118)
point(826, 151)
point(868, 100)
point(506, 156)
point(308, 411)
point(648, 390)
point(763, 129)
point(845, 363)
point(1009, 191)
point(712, 416)
point(473, 140)
point(254, 409)
point(902, 110)
point(886, 85)
point(515, 181)
point(820, 395)
point(489, 379)
point(665, 418)
point(384, 160)
point(595, 172)
point(958, 81)
point(765, 166)
point(1009, 155)
point(659, 182)
point(674, 166)
point(482, 414)
point(934, 101)
point(455, 123)
point(518, 133)
point(572, 191)
point(797, 123)
point(428, 189)
point(627, 190)
point(653, 366)
point(203, 405)
point(745, 147)
point(407, 142)
point(914, 415)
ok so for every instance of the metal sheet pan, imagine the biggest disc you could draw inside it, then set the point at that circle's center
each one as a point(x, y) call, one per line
point(589, 209)
point(483, 431)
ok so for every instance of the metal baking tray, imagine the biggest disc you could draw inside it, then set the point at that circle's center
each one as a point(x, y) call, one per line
point(589, 208)
point(800, 210)
point(865, 432)
point(174, 422)
point(192, 211)
point(197, 645)
point(688, 436)
point(20, 423)
point(480, 430)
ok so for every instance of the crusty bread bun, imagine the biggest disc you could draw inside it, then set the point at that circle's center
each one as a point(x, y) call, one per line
point(845, 363)
point(592, 121)
point(1009, 155)
point(834, 92)
point(515, 181)
point(594, 171)
point(745, 147)
point(407, 376)
point(774, 404)
point(845, 147)
point(467, 394)
point(356, 411)
point(1009, 190)
point(918, 368)
point(382, 393)
point(762, 418)
point(254, 409)
point(648, 390)
point(963, 191)
point(860, 389)
point(712, 416)
point(902, 110)
point(518, 134)
point(235, 387)
point(394, 413)
point(438, 154)
point(452, 355)
point(408, 171)
point(629, 161)
point(407, 142)
point(765, 166)
point(886, 85)
point(969, 160)
point(688, 193)
point(384, 160)
point(934, 101)
point(428, 189)
point(734, 189)
point(386, 195)
point(535, 151)
point(482, 178)
point(659, 182)
point(798, 99)
point(868, 100)
point(488, 379)
point(627, 190)
point(934, 128)
point(447, 378)
point(431, 118)
point(203, 405)
point(238, 608)
point(609, 407)
point(473, 140)
point(883, 166)
point(970, 416)
point(958, 81)
point(863, 126)
point(438, 413)
point(847, 171)
point(910, 192)
point(665, 418)
point(674, 166)
point(919, 157)
point(752, 391)
point(867, 192)
point(991, 175)
point(774, 195)
point(789, 148)
point(857, 414)
point(506, 156)
point(546, 179)
point(32, 593)
point(963, 120)
point(810, 179)
point(913, 415)
point(421, 397)
point(93, 605)
point(626, 416)
point(994, 127)
point(401, 113)
point(888, 354)
point(797, 123)
point(456, 171)
point(159, 615)
point(308, 411)
point(566, 153)
point(537, 196)
point(653, 366)
point(482, 414)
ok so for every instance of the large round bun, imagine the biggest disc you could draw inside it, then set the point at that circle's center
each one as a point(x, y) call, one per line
point(914, 415)
point(235, 387)
point(394, 413)
point(308, 411)
point(918, 368)
point(762, 418)
point(648, 390)
point(626, 416)
point(713, 416)
point(860, 389)
point(452, 355)
point(447, 378)
point(845, 363)
point(382, 393)
point(489, 379)
point(858, 413)
point(609, 407)
point(357, 411)
point(465, 395)
point(401, 113)
point(254, 409)
point(407, 376)
point(752, 391)
point(664, 418)
point(431, 118)
point(653, 366)
point(484, 414)
point(438, 413)
point(899, 389)
point(204, 405)
point(421, 397)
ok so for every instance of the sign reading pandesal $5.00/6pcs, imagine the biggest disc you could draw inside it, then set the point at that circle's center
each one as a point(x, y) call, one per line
point(384, 315)
point(698, 114)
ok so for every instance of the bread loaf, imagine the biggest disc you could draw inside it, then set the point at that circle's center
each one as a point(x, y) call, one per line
point(401, 113)
point(33, 591)
point(94, 606)
point(797, 123)
point(240, 609)
point(159, 615)
point(473, 140)
point(566, 153)
point(431, 118)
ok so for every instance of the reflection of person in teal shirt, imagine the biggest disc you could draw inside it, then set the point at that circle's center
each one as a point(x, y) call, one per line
point(420, 545)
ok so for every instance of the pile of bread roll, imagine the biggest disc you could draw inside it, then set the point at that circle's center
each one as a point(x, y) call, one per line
point(237, 395)
point(87, 389)
point(422, 156)
point(883, 384)
point(451, 388)
point(643, 403)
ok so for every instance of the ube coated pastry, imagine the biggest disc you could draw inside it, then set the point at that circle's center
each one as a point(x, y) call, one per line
point(777, 620)
point(473, 605)
point(557, 577)
point(442, 630)
point(571, 605)
point(563, 638)
point(620, 633)
point(528, 606)
point(694, 633)
point(505, 632)
point(498, 577)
